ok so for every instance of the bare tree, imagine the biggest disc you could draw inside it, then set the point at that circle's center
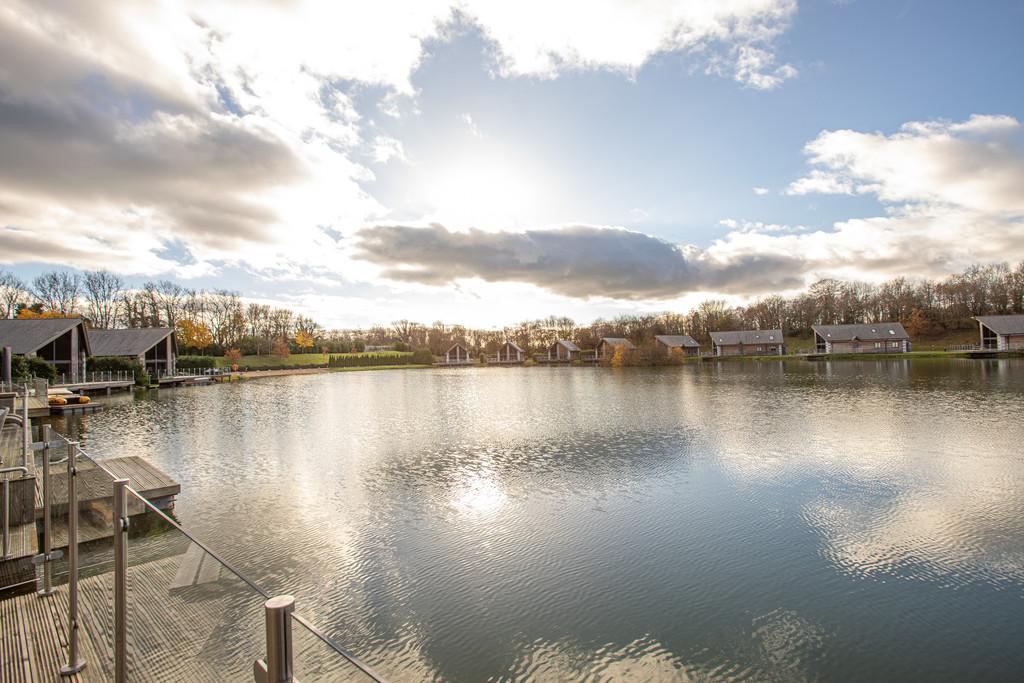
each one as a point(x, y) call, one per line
point(103, 297)
point(12, 293)
point(58, 290)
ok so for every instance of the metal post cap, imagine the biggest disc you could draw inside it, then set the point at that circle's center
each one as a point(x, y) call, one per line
point(280, 602)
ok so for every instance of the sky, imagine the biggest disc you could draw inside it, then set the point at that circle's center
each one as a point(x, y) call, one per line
point(484, 162)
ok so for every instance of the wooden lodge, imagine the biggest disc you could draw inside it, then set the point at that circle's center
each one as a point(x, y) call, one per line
point(1001, 332)
point(457, 355)
point(563, 351)
point(748, 343)
point(155, 348)
point(607, 347)
point(862, 338)
point(686, 344)
point(510, 352)
point(61, 342)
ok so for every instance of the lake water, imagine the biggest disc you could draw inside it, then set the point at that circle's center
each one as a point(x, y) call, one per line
point(733, 521)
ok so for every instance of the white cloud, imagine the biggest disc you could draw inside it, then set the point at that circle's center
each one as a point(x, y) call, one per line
point(387, 148)
point(473, 128)
point(536, 37)
point(760, 191)
point(952, 198)
point(756, 67)
point(976, 165)
point(232, 130)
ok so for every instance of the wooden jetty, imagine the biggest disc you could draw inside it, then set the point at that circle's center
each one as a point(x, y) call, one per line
point(95, 484)
point(182, 381)
point(105, 386)
point(94, 495)
point(76, 408)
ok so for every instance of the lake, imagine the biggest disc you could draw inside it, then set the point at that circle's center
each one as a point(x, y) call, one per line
point(853, 520)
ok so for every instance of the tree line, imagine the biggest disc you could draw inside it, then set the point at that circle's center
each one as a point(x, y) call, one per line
point(219, 320)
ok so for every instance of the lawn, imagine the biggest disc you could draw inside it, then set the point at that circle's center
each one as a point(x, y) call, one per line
point(299, 359)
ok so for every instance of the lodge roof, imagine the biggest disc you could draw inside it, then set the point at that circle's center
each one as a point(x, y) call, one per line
point(1003, 324)
point(567, 344)
point(736, 337)
point(515, 346)
point(861, 332)
point(131, 342)
point(27, 335)
point(677, 340)
point(618, 341)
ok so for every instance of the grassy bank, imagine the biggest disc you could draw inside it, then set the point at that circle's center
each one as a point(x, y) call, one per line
point(359, 368)
point(939, 342)
point(298, 359)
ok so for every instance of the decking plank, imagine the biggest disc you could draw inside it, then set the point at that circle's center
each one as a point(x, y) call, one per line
point(95, 483)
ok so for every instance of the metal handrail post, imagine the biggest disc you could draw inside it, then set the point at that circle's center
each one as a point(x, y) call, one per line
point(120, 580)
point(75, 663)
point(277, 667)
point(27, 459)
point(47, 588)
point(7, 517)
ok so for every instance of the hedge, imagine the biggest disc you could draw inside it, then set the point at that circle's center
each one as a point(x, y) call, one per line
point(372, 359)
point(196, 362)
point(118, 364)
point(24, 368)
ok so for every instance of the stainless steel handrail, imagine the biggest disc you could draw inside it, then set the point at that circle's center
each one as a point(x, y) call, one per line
point(120, 520)
point(75, 663)
point(122, 489)
point(47, 555)
point(351, 658)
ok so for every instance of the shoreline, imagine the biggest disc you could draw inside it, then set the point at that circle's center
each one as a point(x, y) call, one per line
point(257, 374)
point(812, 358)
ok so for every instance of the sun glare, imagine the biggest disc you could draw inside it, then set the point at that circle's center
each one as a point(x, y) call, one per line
point(482, 193)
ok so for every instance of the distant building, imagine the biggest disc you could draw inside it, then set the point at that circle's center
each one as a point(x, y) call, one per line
point(456, 354)
point(62, 342)
point(749, 343)
point(510, 352)
point(608, 345)
point(684, 342)
point(866, 338)
point(155, 348)
point(563, 350)
point(1001, 332)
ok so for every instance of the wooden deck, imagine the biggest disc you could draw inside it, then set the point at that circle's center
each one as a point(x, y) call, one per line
point(95, 484)
point(37, 407)
point(189, 633)
point(182, 381)
point(210, 630)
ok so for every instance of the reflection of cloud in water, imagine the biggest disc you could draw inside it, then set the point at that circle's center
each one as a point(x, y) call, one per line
point(644, 659)
point(788, 643)
point(962, 528)
point(907, 474)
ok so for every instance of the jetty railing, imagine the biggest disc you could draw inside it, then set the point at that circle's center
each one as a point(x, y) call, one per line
point(178, 611)
point(95, 377)
point(193, 372)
